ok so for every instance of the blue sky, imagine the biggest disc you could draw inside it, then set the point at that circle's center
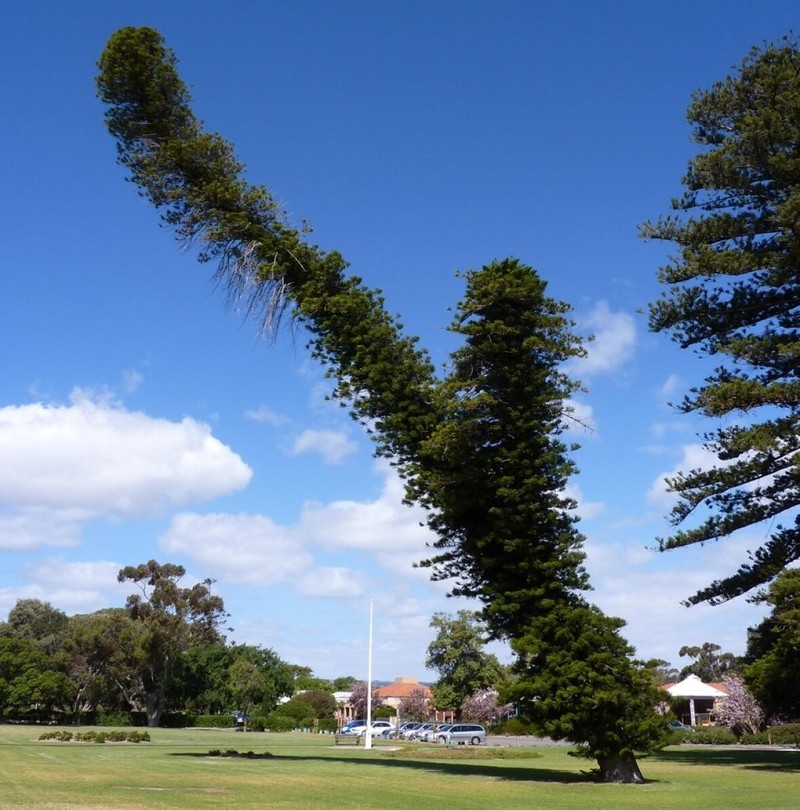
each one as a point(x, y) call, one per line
point(141, 418)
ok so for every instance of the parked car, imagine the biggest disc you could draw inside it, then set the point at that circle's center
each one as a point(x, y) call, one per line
point(462, 733)
point(407, 729)
point(419, 732)
point(377, 728)
point(434, 734)
point(676, 725)
point(353, 727)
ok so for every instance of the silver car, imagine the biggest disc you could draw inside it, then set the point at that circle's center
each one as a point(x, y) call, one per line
point(462, 733)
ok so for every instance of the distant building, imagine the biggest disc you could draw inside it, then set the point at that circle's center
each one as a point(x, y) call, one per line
point(696, 699)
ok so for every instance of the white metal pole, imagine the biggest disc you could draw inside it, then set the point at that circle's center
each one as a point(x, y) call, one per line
point(368, 733)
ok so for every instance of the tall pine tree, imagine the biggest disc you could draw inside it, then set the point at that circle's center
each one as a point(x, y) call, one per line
point(480, 448)
point(733, 294)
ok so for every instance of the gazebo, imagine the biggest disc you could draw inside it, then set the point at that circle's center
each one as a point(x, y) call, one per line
point(699, 696)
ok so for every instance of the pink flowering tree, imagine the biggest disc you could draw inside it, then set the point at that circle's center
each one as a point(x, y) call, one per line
point(482, 707)
point(416, 706)
point(358, 697)
point(740, 711)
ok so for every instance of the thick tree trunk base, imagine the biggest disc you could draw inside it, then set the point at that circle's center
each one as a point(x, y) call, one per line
point(622, 768)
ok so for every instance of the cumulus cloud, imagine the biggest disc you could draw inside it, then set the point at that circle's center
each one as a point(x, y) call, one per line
point(379, 525)
point(333, 582)
point(65, 464)
point(239, 548)
point(614, 341)
point(254, 549)
point(32, 527)
point(332, 445)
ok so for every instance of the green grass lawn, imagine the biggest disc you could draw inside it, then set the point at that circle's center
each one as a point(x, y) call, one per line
point(307, 771)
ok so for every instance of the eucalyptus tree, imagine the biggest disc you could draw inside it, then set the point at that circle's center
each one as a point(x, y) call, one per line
point(166, 619)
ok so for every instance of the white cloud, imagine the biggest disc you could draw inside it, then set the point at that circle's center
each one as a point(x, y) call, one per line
point(586, 509)
point(384, 524)
point(670, 386)
point(32, 527)
point(333, 582)
point(131, 381)
point(332, 445)
point(267, 416)
point(614, 341)
point(239, 548)
point(647, 589)
point(66, 464)
point(580, 418)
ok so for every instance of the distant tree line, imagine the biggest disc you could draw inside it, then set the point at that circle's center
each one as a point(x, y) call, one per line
point(164, 651)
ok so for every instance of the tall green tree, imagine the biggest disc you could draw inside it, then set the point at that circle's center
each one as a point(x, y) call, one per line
point(709, 664)
point(37, 621)
point(732, 294)
point(96, 650)
point(30, 680)
point(457, 654)
point(277, 674)
point(772, 671)
point(167, 620)
point(481, 448)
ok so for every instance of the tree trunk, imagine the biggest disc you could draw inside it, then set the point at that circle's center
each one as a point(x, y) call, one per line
point(154, 706)
point(620, 768)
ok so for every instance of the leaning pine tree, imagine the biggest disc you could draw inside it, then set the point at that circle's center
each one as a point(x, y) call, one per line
point(479, 448)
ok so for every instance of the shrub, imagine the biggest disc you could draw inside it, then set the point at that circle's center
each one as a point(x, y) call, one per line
point(328, 724)
point(711, 735)
point(257, 724)
point(514, 727)
point(211, 721)
point(173, 720)
point(114, 719)
point(279, 722)
point(785, 734)
point(761, 738)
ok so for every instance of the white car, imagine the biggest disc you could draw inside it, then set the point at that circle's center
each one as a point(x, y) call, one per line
point(353, 727)
point(377, 728)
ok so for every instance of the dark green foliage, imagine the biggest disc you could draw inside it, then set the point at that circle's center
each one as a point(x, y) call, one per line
point(166, 620)
point(785, 734)
point(712, 735)
point(327, 724)
point(321, 702)
point(30, 680)
point(211, 721)
point(458, 656)
point(494, 469)
point(480, 448)
point(709, 664)
point(302, 714)
point(280, 722)
point(732, 293)
point(96, 736)
point(514, 727)
point(773, 649)
point(578, 682)
point(37, 621)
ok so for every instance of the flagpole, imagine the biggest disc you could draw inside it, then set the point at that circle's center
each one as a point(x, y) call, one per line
point(368, 733)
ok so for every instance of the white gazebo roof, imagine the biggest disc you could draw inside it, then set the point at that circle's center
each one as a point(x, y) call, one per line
point(693, 687)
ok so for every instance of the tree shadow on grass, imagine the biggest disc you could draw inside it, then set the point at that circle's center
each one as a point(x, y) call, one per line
point(758, 759)
point(510, 772)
